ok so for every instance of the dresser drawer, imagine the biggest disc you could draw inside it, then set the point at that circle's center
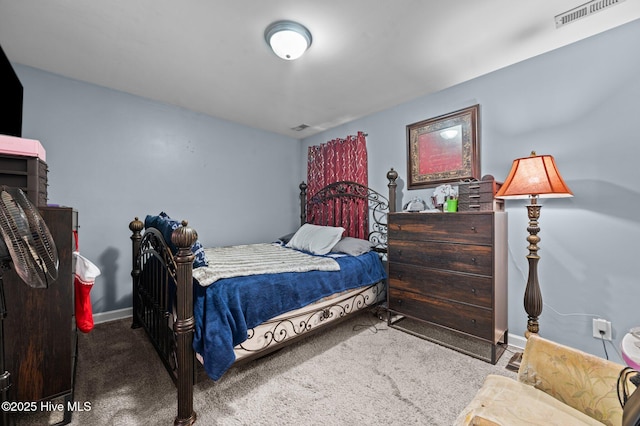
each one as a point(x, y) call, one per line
point(466, 318)
point(487, 206)
point(473, 189)
point(472, 259)
point(471, 228)
point(471, 289)
point(481, 197)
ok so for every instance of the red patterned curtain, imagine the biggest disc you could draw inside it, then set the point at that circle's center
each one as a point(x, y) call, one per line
point(342, 160)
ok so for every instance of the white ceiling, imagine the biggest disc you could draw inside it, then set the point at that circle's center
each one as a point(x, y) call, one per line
point(210, 55)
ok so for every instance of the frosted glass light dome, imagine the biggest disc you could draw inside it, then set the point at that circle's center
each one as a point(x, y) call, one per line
point(289, 40)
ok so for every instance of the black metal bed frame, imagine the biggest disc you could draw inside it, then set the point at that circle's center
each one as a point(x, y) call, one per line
point(167, 316)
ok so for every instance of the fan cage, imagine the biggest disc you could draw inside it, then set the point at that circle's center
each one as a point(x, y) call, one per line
point(28, 240)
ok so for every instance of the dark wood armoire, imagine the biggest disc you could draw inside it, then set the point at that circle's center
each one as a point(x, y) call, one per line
point(40, 339)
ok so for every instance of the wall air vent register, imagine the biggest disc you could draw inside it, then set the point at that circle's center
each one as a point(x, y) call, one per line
point(583, 11)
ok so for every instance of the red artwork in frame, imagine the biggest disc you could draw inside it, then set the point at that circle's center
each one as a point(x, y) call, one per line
point(443, 149)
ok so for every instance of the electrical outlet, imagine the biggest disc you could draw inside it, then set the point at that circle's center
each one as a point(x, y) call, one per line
point(601, 329)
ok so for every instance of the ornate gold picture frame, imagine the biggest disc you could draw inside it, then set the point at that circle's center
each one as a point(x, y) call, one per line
point(443, 149)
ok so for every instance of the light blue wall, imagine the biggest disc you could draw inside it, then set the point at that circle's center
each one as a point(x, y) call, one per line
point(233, 183)
point(580, 104)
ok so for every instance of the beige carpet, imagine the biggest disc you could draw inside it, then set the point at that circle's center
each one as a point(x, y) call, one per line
point(359, 372)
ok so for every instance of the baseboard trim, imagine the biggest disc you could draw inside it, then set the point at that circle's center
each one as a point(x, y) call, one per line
point(517, 341)
point(112, 315)
point(514, 340)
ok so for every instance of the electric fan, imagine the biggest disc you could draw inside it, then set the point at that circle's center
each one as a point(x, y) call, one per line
point(26, 239)
point(27, 244)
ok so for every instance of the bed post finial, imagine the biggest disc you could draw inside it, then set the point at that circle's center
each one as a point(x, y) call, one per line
point(184, 237)
point(136, 227)
point(392, 175)
point(303, 203)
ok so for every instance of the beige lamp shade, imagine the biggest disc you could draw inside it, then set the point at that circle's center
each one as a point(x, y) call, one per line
point(537, 176)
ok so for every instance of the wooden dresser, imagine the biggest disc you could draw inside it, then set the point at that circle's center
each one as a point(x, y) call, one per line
point(448, 279)
point(40, 330)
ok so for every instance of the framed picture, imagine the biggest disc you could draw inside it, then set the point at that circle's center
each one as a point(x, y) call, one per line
point(443, 149)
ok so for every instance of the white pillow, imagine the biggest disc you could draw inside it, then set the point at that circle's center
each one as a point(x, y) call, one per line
point(316, 239)
point(352, 246)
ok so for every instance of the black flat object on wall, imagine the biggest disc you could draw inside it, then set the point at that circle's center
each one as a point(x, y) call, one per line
point(11, 100)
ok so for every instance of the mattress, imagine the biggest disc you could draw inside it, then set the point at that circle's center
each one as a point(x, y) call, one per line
point(227, 312)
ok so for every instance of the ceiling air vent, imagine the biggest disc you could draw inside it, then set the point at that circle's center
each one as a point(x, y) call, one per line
point(300, 127)
point(584, 11)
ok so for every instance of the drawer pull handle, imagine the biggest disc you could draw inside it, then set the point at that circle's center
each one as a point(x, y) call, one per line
point(473, 228)
point(473, 290)
point(399, 277)
point(473, 260)
point(399, 252)
point(473, 321)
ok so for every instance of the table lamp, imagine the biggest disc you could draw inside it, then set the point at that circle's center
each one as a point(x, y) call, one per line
point(533, 177)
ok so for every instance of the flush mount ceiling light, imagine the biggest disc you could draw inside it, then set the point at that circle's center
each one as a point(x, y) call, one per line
point(288, 39)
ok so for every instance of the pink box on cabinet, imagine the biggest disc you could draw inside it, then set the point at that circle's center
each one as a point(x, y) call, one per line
point(21, 146)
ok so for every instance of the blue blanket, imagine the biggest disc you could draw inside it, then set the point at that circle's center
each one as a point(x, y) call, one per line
point(227, 309)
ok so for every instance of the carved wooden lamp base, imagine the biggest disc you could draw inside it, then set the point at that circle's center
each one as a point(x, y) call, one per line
point(532, 294)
